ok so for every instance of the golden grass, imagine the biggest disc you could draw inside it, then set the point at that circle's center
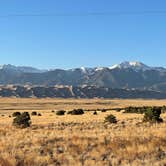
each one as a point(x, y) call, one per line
point(77, 140)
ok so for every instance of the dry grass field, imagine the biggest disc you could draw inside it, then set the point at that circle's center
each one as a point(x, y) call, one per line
point(80, 140)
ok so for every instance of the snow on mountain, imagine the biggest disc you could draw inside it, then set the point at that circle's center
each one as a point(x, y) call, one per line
point(114, 66)
point(137, 66)
point(99, 68)
point(86, 70)
point(131, 65)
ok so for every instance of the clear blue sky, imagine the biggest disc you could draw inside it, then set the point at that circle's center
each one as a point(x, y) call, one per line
point(74, 41)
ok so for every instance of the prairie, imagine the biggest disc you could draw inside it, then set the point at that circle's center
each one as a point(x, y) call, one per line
point(81, 140)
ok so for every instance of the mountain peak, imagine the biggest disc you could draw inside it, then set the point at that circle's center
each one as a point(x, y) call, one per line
point(131, 65)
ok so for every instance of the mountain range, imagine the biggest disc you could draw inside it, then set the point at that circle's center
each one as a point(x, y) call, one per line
point(126, 75)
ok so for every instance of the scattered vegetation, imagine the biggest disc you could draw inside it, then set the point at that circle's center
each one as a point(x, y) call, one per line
point(153, 115)
point(138, 110)
point(15, 114)
point(76, 112)
point(104, 110)
point(142, 110)
point(83, 140)
point(117, 109)
point(111, 119)
point(60, 112)
point(34, 113)
point(22, 120)
point(39, 114)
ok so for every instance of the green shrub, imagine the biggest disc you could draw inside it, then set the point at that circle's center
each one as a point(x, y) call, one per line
point(111, 119)
point(15, 114)
point(153, 115)
point(34, 113)
point(22, 120)
point(60, 112)
point(138, 110)
point(76, 112)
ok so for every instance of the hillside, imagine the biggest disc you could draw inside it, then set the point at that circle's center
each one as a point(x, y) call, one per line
point(76, 92)
point(125, 80)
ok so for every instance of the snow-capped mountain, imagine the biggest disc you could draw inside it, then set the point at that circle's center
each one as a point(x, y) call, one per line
point(137, 66)
point(131, 65)
point(124, 65)
point(123, 75)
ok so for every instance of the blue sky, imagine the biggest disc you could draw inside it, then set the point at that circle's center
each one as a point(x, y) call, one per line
point(74, 41)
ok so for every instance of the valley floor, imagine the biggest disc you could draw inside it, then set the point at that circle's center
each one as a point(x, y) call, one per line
point(80, 140)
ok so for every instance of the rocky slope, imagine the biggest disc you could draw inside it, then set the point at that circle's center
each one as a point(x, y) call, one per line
point(76, 92)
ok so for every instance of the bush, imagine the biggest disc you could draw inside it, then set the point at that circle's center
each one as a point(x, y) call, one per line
point(110, 118)
point(117, 109)
point(153, 115)
point(104, 110)
point(39, 114)
point(76, 112)
point(95, 113)
point(138, 110)
point(69, 112)
point(34, 113)
point(22, 120)
point(163, 110)
point(15, 114)
point(61, 112)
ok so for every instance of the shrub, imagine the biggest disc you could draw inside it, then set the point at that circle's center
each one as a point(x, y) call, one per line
point(60, 112)
point(52, 111)
point(22, 120)
point(39, 114)
point(15, 114)
point(69, 112)
point(117, 109)
point(95, 113)
point(153, 115)
point(34, 113)
point(110, 118)
point(138, 110)
point(76, 112)
point(163, 109)
point(103, 110)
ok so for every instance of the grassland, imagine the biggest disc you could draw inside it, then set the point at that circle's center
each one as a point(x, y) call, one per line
point(80, 140)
